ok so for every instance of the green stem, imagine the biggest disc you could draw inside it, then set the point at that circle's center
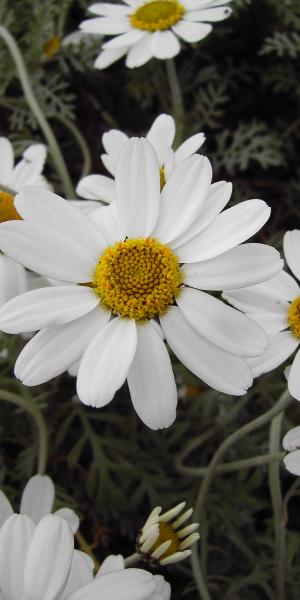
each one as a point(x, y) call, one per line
point(132, 559)
point(282, 403)
point(39, 420)
point(36, 110)
point(278, 508)
point(177, 101)
point(87, 161)
point(235, 465)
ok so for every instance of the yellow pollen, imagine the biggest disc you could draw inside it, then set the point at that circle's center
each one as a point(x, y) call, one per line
point(162, 177)
point(138, 278)
point(51, 47)
point(7, 208)
point(294, 317)
point(166, 532)
point(160, 14)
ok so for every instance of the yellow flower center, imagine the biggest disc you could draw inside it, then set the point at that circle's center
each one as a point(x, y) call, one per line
point(294, 317)
point(51, 47)
point(166, 532)
point(160, 14)
point(162, 177)
point(138, 278)
point(7, 208)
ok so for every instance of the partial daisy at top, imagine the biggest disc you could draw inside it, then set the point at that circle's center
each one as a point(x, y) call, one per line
point(161, 135)
point(147, 262)
point(275, 306)
point(14, 279)
point(144, 30)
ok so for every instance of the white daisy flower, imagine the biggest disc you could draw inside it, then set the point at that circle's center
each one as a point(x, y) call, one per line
point(291, 443)
point(153, 28)
point(39, 561)
point(37, 502)
point(165, 538)
point(144, 258)
point(161, 135)
point(275, 306)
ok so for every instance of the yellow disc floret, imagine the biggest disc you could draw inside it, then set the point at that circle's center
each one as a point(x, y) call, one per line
point(160, 14)
point(166, 532)
point(294, 317)
point(7, 208)
point(162, 178)
point(138, 278)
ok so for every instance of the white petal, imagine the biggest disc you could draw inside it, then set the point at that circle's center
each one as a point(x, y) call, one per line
point(294, 377)
point(96, 187)
point(108, 163)
point(111, 564)
point(45, 209)
point(113, 142)
point(151, 380)
point(137, 188)
point(250, 301)
point(291, 440)
point(281, 346)
point(161, 133)
point(189, 147)
point(106, 220)
point(222, 325)
point(49, 559)
point(6, 162)
point(269, 322)
point(140, 52)
point(126, 40)
point(13, 277)
point(106, 25)
point(15, 538)
point(164, 44)
point(292, 462)
point(86, 206)
point(221, 370)
point(182, 197)
point(210, 15)
point(128, 584)
point(47, 307)
point(29, 169)
point(281, 287)
point(107, 58)
point(81, 573)
point(105, 364)
point(230, 228)
point(38, 497)
point(46, 252)
point(217, 197)
point(163, 588)
point(192, 32)
point(70, 516)
point(239, 267)
point(106, 9)
point(291, 246)
point(5, 508)
point(51, 351)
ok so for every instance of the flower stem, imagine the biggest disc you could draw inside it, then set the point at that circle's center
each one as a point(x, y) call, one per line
point(37, 112)
point(39, 420)
point(87, 161)
point(85, 547)
point(282, 403)
point(177, 101)
point(235, 465)
point(278, 508)
point(132, 559)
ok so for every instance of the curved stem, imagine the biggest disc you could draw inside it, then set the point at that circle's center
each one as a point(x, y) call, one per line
point(177, 101)
point(282, 403)
point(85, 547)
point(87, 161)
point(39, 420)
point(132, 559)
point(235, 465)
point(278, 508)
point(36, 110)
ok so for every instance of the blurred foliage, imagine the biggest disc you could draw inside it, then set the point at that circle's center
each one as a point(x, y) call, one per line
point(241, 87)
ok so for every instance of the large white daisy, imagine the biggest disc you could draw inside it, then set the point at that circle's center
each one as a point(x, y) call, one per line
point(39, 562)
point(37, 502)
point(153, 28)
point(161, 135)
point(142, 259)
point(275, 305)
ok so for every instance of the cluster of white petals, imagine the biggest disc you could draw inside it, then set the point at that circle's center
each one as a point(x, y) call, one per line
point(291, 443)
